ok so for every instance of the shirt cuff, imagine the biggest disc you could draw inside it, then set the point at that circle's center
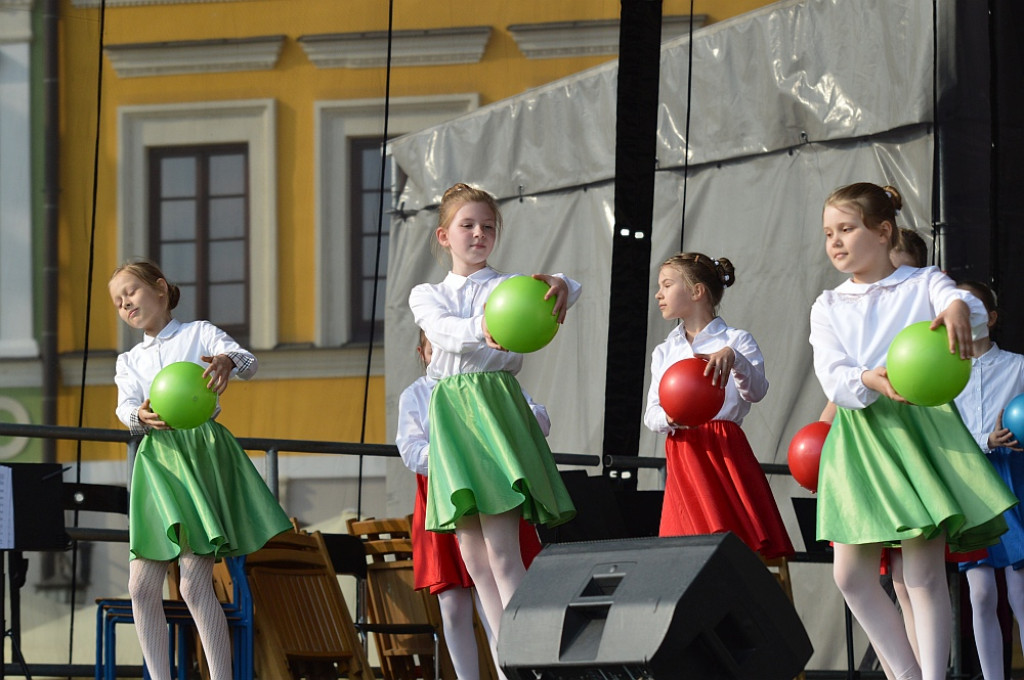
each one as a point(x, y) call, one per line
point(135, 425)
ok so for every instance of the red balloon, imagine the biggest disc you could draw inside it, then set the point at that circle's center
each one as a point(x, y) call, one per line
point(805, 453)
point(687, 395)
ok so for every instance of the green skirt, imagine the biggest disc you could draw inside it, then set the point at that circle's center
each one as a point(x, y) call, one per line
point(894, 471)
point(488, 455)
point(198, 487)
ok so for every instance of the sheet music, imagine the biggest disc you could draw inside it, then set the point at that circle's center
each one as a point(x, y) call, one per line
point(6, 509)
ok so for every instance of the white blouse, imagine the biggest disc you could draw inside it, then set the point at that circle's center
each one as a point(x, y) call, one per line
point(747, 382)
point(449, 314)
point(997, 376)
point(178, 341)
point(413, 438)
point(853, 325)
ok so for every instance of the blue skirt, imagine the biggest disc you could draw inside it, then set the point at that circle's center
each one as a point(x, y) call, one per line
point(1009, 551)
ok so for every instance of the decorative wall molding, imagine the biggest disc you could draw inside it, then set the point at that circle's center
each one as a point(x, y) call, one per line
point(135, 60)
point(15, 21)
point(427, 47)
point(587, 38)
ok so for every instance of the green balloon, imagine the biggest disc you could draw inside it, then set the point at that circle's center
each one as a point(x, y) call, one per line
point(922, 369)
point(518, 317)
point(180, 397)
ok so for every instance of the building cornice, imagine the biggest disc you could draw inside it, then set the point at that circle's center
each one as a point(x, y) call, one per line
point(597, 37)
point(133, 60)
point(427, 47)
point(15, 21)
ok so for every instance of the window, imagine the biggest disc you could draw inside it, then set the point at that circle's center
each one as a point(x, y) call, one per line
point(348, 134)
point(199, 230)
point(366, 223)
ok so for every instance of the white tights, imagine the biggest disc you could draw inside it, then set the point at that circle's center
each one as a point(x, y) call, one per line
point(490, 548)
point(146, 588)
point(984, 599)
point(457, 620)
point(856, 573)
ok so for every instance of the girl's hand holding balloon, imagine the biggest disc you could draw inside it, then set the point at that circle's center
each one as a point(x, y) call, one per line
point(719, 365)
point(559, 290)
point(488, 338)
point(1002, 436)
point(877, 379)
point(957, 320)
point(218, 372)
point(151, 419)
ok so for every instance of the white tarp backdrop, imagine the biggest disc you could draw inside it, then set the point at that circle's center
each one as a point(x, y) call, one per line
point(787, 103)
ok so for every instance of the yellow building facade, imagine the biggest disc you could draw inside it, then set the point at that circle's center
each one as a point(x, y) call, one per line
point(282, 102)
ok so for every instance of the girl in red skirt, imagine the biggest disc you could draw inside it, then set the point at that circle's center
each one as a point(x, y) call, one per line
point(714, 482)
point(437, 563)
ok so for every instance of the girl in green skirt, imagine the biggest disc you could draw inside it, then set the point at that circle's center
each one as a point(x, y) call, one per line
point(892, 472)
point(489, 461)
point(195, 495)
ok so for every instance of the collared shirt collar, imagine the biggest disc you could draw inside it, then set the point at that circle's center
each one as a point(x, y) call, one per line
point(457, 281)
point(167, 331)
point(902, 273)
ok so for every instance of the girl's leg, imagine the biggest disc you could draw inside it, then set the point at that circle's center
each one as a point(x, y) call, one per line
point(1015, 592)
point(987, 633)
point(492, 640)
point(197, 591)
point(855, 569)
point(457, 620)
point(474, 554)
point(501, 535)
point(903, 597)
point(924, 572)
point(146, 588)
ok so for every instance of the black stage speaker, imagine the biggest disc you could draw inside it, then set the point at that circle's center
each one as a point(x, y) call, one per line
point(685, 607)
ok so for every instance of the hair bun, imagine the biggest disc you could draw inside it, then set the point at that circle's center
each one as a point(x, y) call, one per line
point(726, 271)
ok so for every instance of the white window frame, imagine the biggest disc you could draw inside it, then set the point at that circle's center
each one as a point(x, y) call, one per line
point(335, 122)
point(251, 122)
point(17, 338)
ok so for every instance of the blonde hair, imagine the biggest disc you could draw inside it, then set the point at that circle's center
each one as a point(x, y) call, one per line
point(716, 275)
point(457, 196)
point(873, 203)
point(149, 274)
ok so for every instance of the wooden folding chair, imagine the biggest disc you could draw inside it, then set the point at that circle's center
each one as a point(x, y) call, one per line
point(302, 624)
point(393, 600)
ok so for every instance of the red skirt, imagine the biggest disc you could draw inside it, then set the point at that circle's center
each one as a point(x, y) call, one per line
point(715, 484)
point(436, 561)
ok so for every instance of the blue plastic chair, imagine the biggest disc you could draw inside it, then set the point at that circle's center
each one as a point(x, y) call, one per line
point(110, 612)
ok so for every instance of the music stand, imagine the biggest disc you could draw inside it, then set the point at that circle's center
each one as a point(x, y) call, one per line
point(37, 495)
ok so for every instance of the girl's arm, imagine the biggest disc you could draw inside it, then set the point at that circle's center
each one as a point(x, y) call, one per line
point(748, 368)
point(840, 374)
point(443, 328)
point(132, 404)
point(565, 290)
point(963, 315)
point(655, 417)
point(225, 358)
point(413, 439)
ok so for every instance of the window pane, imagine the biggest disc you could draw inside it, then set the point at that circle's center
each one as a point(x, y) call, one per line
point(371, 167)
point(177, 177)
point(186, 309)
point(370, 255)
point(371, 208)
point(227, 261)
point(227, 303)
point(227, 217)
point(178, 261)
point(227, 174)
point(368, 301)
point(178, 220)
